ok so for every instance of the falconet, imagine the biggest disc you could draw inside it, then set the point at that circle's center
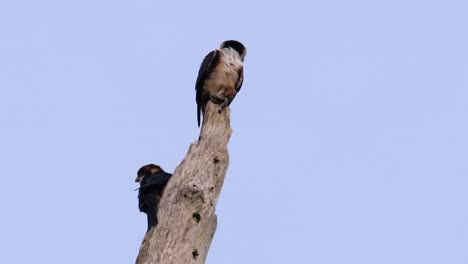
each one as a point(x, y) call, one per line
point(152, 179)
point(220, 76)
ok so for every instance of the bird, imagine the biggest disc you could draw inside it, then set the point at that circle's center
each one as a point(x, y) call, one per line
point(220, 76)
point(152, 179)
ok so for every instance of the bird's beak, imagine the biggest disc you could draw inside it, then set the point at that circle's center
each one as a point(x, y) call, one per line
point(137, 179)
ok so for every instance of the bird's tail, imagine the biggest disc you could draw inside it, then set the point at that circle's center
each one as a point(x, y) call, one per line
point(198, 114)
point(152, 217)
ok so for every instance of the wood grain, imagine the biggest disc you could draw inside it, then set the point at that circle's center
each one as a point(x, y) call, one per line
point(187, 219)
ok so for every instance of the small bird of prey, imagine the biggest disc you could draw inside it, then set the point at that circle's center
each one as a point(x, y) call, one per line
point(220, 76)
point(152, 179)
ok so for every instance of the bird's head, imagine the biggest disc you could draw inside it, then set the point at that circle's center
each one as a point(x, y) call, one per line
point(147, 170)
point(235, 45)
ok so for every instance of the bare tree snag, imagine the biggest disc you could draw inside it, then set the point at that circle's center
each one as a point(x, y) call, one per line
point(187, 219)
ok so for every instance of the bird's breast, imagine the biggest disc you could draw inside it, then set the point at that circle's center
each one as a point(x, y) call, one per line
point(226, 73)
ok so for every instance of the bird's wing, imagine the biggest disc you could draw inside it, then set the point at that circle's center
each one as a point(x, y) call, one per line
point(240, 72)
point(240, 81)
point(157, 179)
point(206, 68)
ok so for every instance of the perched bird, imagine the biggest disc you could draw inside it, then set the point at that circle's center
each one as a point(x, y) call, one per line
point(152, 179)
point(220, 76)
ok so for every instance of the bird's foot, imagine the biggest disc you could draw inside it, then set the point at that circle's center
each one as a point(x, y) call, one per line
point(215, 99)
point(224, 103)
point(221, 101)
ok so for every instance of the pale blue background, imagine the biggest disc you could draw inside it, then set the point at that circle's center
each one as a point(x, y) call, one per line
point(350, 140)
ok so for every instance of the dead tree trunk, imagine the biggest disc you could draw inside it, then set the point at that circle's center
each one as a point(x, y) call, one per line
point(187, 219)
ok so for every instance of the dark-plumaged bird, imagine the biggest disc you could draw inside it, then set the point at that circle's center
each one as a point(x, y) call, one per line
point(152, 179)
point(220, 76)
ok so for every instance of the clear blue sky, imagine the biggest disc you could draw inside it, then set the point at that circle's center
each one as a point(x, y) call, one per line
point(350, 140)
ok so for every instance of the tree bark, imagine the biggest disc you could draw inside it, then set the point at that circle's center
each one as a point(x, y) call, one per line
point(187, 219)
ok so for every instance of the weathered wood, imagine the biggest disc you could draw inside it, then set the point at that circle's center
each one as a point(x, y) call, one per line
point(187, 219)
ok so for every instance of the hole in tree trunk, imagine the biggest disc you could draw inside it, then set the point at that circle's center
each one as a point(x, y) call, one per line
point(195, 253)
point(197, 217)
